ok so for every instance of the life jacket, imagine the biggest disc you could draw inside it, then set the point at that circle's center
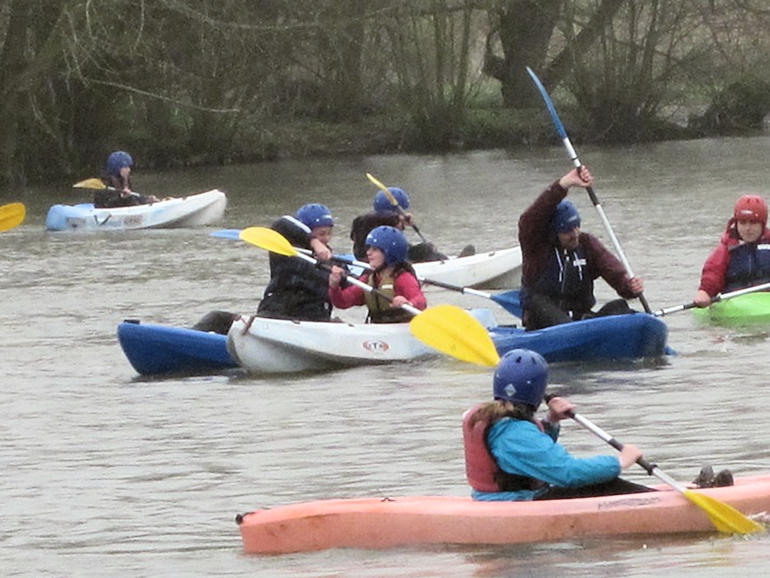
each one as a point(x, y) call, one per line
point(568, 281)
point(749, 265)
point(380, 310)
point(481, 469)
point(297, 290)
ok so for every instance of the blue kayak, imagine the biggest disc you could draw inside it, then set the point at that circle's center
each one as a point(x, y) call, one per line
point(156, 349)
point(628, 336)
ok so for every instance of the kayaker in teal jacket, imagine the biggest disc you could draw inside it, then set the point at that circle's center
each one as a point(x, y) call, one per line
point(512, 455)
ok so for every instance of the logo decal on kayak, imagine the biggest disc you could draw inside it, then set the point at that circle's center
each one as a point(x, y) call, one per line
point(376, 346)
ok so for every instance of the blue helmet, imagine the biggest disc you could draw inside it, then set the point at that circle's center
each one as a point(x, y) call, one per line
point(315, 215)
point(565, 217)
point(117, 161)
point(382, 203)
point(521, 376)
point(390, 241)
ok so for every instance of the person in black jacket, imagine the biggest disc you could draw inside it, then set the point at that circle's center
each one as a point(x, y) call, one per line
point(298, 289)
point(119, 190)
point(389, 215)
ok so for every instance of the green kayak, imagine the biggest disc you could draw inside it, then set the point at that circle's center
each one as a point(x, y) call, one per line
point(745, 309)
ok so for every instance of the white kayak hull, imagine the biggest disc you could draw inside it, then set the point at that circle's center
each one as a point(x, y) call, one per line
point(264, 345)
point(494, 269)
point(190, 211)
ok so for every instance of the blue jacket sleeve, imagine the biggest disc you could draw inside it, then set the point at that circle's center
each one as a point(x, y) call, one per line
point(521, 448)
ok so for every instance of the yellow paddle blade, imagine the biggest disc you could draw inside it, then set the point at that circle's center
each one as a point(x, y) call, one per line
point(455, 332)
point(12, 215)
point(269, 240)
point(90, 184)
point(724, 517)
point(385, 189)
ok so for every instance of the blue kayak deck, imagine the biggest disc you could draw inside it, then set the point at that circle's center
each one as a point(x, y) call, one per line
point(625, 336)
point(157, 349)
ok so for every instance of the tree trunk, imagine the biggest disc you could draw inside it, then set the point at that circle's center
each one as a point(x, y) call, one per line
point(11, 70)
point(524, 28)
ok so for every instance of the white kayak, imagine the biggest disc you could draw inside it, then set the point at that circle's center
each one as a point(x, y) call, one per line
point(264, 345)
point(494, 269)
point(190, 211)
point(499, 269)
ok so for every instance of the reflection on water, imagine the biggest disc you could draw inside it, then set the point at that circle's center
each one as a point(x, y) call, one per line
point(108, 473)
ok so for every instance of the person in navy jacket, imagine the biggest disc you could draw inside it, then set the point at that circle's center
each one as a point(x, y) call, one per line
point(560, 262)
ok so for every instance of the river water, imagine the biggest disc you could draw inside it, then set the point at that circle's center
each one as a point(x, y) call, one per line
point(107, 473)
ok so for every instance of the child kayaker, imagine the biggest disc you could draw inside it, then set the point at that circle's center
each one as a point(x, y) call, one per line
point(392, 275)
point(512, 455)
point(387, 214)
point(298, 289)
point(742, 258)
point(117, 178)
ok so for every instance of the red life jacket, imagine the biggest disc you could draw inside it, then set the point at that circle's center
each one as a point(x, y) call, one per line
point(480, 467)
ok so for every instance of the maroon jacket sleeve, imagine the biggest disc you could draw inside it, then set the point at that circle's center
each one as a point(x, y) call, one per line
point(407, 286)
point(607, 266)
point(534, 232)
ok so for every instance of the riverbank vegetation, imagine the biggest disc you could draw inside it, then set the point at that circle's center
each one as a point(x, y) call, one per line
point(180, 82)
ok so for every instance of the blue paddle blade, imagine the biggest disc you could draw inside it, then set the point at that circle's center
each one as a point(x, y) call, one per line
point(227, 234)
point(549, 105)
point(510, 301)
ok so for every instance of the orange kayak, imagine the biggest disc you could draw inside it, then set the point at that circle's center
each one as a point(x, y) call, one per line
point(379, 523)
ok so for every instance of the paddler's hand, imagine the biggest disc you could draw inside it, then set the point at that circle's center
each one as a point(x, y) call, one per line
point(559, 409)
point(320, 250)
point(636, 285)
point(577, 178)
point(628, 455)
point(335, 276)
point(702, 299)
point(409, 219)
point(399, 300)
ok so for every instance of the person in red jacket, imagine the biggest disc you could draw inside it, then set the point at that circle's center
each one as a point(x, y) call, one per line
point(560, 262)
point(742, 258)
point(391, 275)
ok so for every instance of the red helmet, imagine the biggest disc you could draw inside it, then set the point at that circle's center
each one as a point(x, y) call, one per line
point(751, 208)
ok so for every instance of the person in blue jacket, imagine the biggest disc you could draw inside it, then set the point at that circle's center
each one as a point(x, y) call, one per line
point(512, 455)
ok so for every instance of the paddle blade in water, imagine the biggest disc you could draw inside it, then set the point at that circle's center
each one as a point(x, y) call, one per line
point(724, 517)
point(455, 332)
point(93, 183)
point(12, 215)
point(269, 240)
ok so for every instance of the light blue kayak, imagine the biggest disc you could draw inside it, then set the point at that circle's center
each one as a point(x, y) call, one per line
point(190, 211)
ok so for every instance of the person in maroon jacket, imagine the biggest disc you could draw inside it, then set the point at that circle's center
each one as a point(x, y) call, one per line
point(742, 258)
point(560, 262)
